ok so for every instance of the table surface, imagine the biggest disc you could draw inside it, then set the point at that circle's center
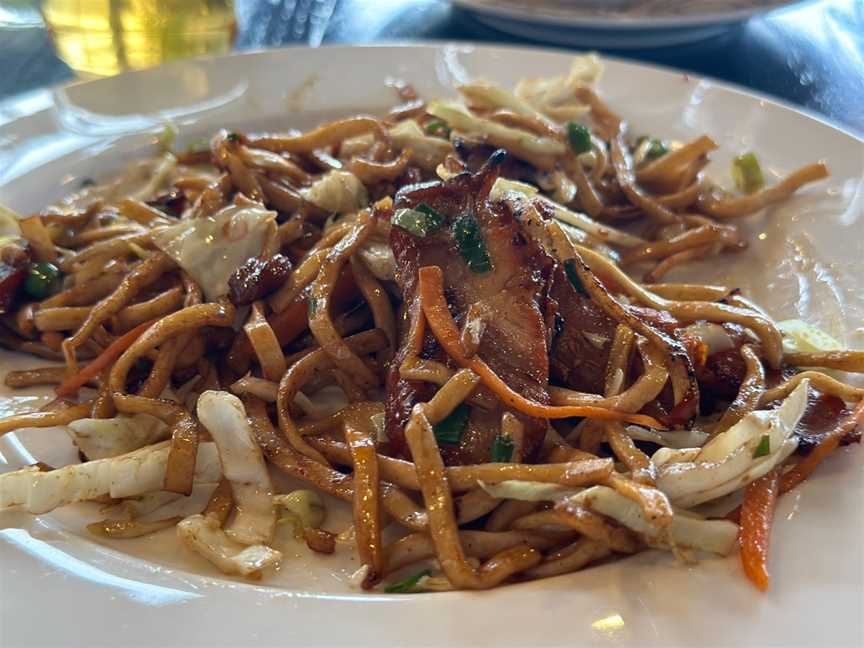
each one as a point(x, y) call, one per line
point(811, 55)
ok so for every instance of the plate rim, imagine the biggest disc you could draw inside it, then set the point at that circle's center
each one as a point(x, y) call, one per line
point(618, 21)
point(433, 44)
point(744, 93)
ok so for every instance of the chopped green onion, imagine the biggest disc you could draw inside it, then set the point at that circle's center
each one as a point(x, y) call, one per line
point(579, 137)
point(466, 231)
point(764, 447)
point(450, 429)
point(438, 128)
point(502, 449)
point(573, 276)
point(313, 306)
point(420, 221)
point(407, 584)
point(232, 137)
point(747, 173)
point(656, 149)
point(41, 278)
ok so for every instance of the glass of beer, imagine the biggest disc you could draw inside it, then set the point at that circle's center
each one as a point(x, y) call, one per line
point(105, 37)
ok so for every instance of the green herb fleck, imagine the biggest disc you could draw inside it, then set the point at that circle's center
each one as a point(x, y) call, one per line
point(41, 279)
point(747, 173)
point(502, 449)
point(420, 221)
point(579, 137)
point(407, 584)
point(313, 306)
point(450, 429)
point(656, 149)
point(438, 128)
point(466, 231)
point(573, 276)
point(764, 447)
point(232, 137)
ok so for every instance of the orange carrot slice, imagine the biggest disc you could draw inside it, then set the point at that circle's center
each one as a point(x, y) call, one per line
point(72, 384)
point(757, 517)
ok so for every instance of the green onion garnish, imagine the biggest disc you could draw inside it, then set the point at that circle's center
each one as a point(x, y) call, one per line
point(764, 447)
point(656, 149)
point(573, 276)
point(41, 279)
point(747, 173)
point(502, 449)
point(579, 136)
point(466, 231)
point(450, 429)
point(313, 306)
point(420, 221)
point(438, 128)
point(232, 137)
point(407, 584)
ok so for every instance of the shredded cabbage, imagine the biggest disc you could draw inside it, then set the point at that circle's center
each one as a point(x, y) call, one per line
point(303, 506)
point(427, 152)
point(715, 536)
point(729, 462)
point(337, 192)
point(556, 96)
point(211, 248)
point(528, 491)
point(160, 177)
point(101, 438)
point(484, 94)
point(801, 337)
point(224, 417)
point(674, 439)
point(129, 475)
point(461, 119)
point(204, 536)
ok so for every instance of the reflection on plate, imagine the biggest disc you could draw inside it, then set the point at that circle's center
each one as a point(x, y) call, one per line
point(617, 23)
point(132, 592)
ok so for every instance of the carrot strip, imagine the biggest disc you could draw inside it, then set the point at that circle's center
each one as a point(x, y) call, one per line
point(757, 516)
point(72, 384)
point(291, 322)
point(804, 468)
point(444, 328)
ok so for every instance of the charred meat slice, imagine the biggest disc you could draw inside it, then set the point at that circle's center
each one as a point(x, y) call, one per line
point(510, 286)
point(14, 266)
point(584, 335)
point(823, 414)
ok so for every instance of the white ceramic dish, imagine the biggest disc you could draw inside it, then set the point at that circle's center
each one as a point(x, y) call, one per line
point(622, 24)
point(59, 586)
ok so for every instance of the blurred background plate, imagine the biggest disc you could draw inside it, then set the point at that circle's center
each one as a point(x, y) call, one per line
point(622, 24)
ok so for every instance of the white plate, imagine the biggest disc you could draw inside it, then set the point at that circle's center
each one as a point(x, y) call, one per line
point(622, 24)
point(60, 586)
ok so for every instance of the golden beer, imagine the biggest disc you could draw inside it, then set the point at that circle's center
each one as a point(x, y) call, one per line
point(104, 37)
